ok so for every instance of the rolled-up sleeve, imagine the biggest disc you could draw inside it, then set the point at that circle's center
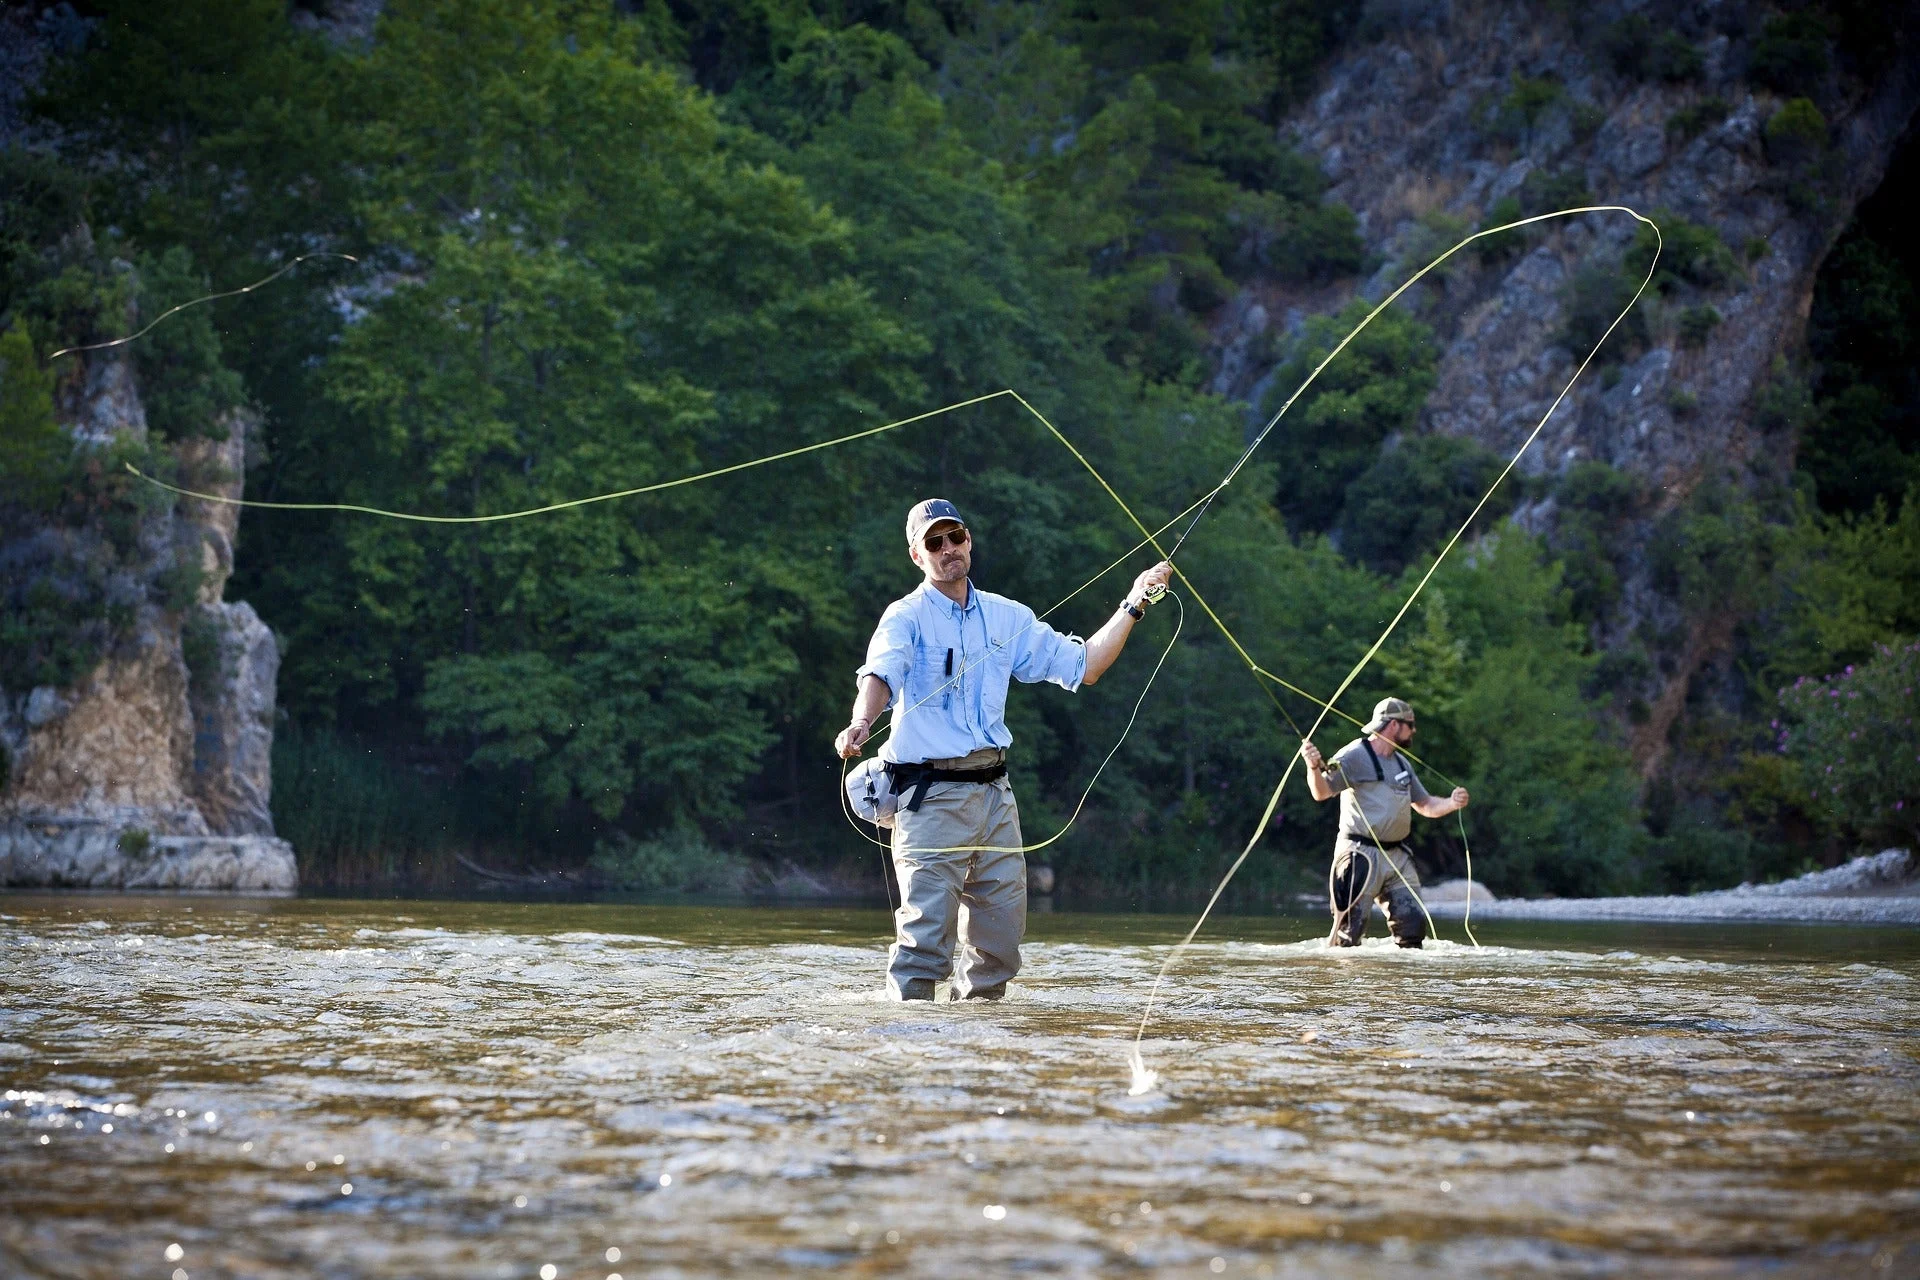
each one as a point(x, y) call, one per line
point(890, 652)
point(1041, 653)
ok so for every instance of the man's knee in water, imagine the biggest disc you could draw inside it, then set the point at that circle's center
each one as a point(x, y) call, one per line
point(1404, 920)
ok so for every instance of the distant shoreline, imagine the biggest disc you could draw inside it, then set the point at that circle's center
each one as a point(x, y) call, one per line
point(1880, 889)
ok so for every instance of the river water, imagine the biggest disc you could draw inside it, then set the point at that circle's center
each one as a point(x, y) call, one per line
point(212, 1088)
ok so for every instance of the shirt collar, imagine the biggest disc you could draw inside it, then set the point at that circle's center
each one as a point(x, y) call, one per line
point(938, 597)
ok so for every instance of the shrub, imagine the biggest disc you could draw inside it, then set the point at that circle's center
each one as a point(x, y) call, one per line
point(1626, 44)
point(135, 841)
point(1854, 735)
point(1796, 133)
point(1433, 235)
point(178, 584)
point(1595, 503)
point(32, 445)
point(1511, 117)
point(1334, 431)
point(1785, 405)
point(1318, 242)
point(1544, 192)
point(1413, 497)
point(1690, 122)
point(1713, 554)
point(1690, 253)
point(1674, 59)
point(54, 625)
point(200, 647)
point(1696, 324)
point(1791, 54)
point(1587, 119)
point(1698, 851)
point(185, 387)
point(1593, 298)
point(1635, 51)
point(1505, 244)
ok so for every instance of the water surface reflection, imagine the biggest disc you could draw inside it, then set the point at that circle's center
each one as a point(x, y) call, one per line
point(296, 1088)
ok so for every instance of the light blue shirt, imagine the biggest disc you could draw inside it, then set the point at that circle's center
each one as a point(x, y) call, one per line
point(992, 640)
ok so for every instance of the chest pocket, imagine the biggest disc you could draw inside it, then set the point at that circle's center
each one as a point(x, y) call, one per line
point(995, 672)
point(926, 677)
point(1401, 781)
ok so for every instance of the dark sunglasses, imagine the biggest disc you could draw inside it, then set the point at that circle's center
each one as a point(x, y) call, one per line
point(1410, 724)
point(951, 538)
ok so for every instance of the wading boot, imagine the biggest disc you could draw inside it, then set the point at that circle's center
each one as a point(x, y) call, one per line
point(995, 992)
point(917, 989)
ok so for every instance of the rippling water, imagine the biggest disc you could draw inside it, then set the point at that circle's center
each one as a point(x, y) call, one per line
point(314, 1088)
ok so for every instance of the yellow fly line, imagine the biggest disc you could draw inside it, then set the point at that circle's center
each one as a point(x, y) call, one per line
point(1143, 1078)
point(194, 302)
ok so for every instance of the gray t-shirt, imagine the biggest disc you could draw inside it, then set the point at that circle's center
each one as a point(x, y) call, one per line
point(1382, 787)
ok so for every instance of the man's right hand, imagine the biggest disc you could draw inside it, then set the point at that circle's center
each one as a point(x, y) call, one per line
point(851, 739)
point(1311, 754)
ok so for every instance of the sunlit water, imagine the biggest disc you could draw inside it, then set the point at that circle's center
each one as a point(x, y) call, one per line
point(310, 1088)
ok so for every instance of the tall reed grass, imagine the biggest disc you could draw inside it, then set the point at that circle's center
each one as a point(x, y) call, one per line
point(357, 819)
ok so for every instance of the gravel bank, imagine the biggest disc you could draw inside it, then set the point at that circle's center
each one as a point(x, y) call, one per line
point(1880, 889)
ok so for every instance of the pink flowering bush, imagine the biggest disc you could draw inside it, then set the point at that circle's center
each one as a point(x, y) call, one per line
point(1856, 738)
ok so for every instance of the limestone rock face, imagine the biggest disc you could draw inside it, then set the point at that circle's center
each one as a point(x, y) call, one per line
point(121, 743)
point(153, 771)
point(1400, 127)
point(108, 855)
point(231, 780)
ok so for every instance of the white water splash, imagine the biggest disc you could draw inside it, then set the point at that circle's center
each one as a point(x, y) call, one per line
point(1144, 1077)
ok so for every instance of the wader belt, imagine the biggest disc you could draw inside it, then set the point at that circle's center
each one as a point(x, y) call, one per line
point(920, 777)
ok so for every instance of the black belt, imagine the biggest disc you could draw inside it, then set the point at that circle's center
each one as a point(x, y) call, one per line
point(921, 776)
point(1391, 844)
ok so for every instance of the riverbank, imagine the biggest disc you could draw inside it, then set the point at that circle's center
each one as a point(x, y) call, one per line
point(1883, 888)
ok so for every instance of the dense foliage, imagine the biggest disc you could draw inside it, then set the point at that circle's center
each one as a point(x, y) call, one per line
point(604, 245)
point(1853, 735)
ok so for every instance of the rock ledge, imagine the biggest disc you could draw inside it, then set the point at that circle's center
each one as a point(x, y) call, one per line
point(99, 855)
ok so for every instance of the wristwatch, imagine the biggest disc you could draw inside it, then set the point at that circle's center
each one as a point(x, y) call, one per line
point(1135, 614)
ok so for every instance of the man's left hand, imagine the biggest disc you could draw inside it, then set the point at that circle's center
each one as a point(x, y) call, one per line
point(1150, 583)
point(1460, 797)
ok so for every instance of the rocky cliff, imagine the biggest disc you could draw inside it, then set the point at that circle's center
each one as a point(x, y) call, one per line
point(1455, 116)
point(151, 771)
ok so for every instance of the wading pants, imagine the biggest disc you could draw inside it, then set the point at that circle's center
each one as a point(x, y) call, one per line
point(1363, 875)
point(978, 898)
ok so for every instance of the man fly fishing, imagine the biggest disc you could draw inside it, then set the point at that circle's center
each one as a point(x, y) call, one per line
point(942, 657)
point(1379, 792)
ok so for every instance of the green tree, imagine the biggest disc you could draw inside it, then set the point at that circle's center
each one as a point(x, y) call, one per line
point(1852, 735)
point(33, 448)
point(598, 294)
point(1333, 432)
point(1556, 808)
point(1414, 496)
point(1849, 583)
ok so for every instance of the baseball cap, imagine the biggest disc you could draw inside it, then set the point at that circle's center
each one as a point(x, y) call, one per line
point(1388, 709)
point(924, 515)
